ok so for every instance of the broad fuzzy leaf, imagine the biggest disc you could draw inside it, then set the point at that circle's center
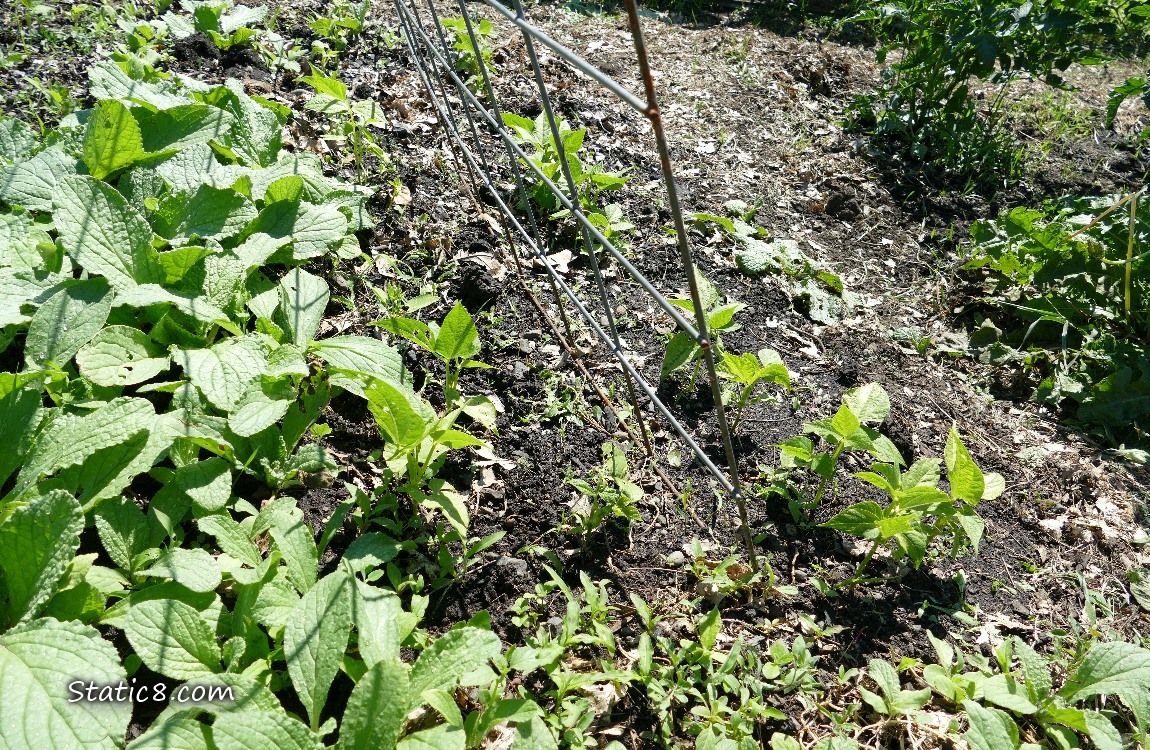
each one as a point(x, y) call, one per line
point(172, 638)
point(112, 140)
point(377, 708)
point(360, 354)
point(17, 139)
point(34, 184)
point(195, 569)
point(120, 356)
point(38, 661)
point(224, 372)
point(218, 213)
point(1117, 668)
point(316, 638)
point(104, 234)
point(36, 544)
point(66, 321)
point(453, 655)
point(262, 730)
point(303, 300)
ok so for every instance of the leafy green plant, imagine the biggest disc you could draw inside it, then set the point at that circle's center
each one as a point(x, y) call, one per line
point(351, 119)
point(469, 55)
point(682, 349)
point(924, 107)
point(224, 22)
point(337, 28)
point(1134, 86)
point(747, 371)
point(1068, 292)
point(454, 343)
point(591, 180)
point(611, 495)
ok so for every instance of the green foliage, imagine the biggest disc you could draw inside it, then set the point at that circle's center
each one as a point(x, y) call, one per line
point(925, 108)
point(591, 180)
point(1134, 86)
point(1066, 283)
point(610, 494)
point(350, 119)
point(682, 349)
point(747, 371)
point(337, 28)
point(471, 55)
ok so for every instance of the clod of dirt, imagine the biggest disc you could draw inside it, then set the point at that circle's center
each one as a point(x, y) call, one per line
point(243, 62)
point(196, 49)
point(843, 206)
point(477, 287)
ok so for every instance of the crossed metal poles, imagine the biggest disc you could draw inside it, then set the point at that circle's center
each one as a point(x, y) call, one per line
point(435, 63)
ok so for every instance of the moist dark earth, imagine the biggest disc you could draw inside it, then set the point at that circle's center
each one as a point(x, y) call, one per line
point(753, 106)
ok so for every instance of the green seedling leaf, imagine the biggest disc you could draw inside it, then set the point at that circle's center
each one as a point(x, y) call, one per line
point(381, 623)
point(112, 140)
point(172, 638)
point(37, 542)
point(966, 480)
point(869, 403)
point(457, 338)
point(195, 569)
point(105, 235)
point(377, 708)
point(680, 350)
point(315, 640)
point(455, 654)
point(65, 322)
point(370, 551)
point(403, 417)
point(1004, 691)
point(861, 520)
point(121, 355)
point(262, 730)
point(37, 661)
point(294, 540)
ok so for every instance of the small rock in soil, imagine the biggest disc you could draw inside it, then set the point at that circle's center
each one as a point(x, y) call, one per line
point(676, 559)
point(512, 568)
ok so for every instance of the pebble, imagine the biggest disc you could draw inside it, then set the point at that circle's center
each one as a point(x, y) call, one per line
point(676, 559)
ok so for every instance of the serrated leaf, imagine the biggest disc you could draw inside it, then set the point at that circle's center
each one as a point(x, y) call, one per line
point(112, 140)
point(224, 372)
point(37, 542)
point(262, 730)
point(172, 638)
point(105, 235)
point(534, 735)
point(377, 708)
point(34, 184)
point(452, 655)
point(310, 228)
point(315, 639)
point(1117, 668)
point(195, 569)
point(66, 321)
point(218, 213)
point(120, 356)
point(303, 300)
point(38, 660)
point(70, 440)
